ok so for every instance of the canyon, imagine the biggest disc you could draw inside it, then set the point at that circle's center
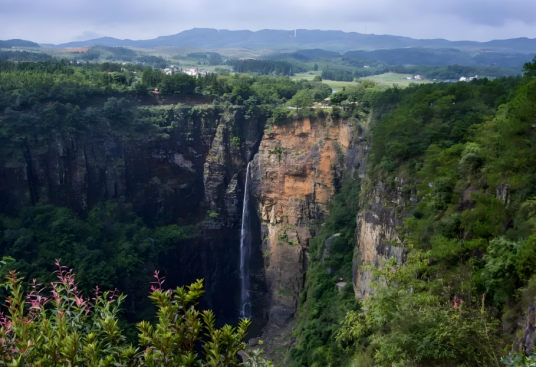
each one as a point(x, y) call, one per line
point(181, 175)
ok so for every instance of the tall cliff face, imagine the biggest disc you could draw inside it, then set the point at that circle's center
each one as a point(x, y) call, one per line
point(376, 234)
point(167, 178)
point(377, 223)
point(295, 175)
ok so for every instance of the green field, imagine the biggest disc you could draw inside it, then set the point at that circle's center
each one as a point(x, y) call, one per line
point(387, 79)
point(394, 78)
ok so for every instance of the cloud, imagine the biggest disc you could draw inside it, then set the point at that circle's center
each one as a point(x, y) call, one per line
point(87, 35)
point(59, 21)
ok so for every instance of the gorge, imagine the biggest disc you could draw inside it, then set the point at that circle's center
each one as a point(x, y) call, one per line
point(380, 227)
point(254, 219)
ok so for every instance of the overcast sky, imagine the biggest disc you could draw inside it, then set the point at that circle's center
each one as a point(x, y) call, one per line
point(58, 21)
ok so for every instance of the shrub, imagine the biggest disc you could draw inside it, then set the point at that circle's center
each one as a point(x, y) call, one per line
point(212, 214)
point(69, 329)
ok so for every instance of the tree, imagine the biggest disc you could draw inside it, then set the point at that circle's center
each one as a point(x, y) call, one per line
point(117, 110)
point(316, 67)
point(337, 98)
point(177, 83)
point(321, 91)
point(152, 77)
point(530, 68)
point(141, 88)
point(302, 99)
point(279, 115)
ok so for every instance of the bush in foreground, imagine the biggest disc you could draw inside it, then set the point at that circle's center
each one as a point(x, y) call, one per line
point(68, 329)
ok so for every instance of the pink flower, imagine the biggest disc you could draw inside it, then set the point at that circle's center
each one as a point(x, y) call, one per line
point(79, 301)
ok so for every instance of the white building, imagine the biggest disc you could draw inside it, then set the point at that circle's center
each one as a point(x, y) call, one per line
point(418, 77)
point(463, 79)
point(190, 71)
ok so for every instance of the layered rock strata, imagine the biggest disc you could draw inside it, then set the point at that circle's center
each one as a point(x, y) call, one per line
point(295, 175)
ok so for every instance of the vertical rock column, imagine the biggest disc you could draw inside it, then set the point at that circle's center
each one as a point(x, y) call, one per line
point(293, 178)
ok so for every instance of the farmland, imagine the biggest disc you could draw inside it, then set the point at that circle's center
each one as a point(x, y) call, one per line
point(387, 79)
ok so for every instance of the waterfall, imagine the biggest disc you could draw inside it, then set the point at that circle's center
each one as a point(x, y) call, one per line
point(245, 253)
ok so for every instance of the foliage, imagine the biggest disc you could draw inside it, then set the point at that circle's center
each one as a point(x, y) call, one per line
point(529, 68)
point(322, 307)
point(69, 329)
point(177, 83)
point(118, 111)
point(438, 57)
point(23, 84)
point(408, 321)
point(235, 142)
point(343, 76)
point(463, 154)
point(454, 72)
point(154, 61)
point(172, 340)
point(264, 67)
point(440, 114)
point(520, 360)
point(301, 100)
point(211, 214)
point(115, 53)
point(255, 359)
point(24, 56)
point(213, 58)
point(111, 244)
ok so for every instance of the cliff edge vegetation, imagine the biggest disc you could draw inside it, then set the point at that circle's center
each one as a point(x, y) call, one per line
point(443, 261)
point(452, 167)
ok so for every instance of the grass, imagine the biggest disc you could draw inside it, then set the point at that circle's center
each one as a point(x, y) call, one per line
point(387, 79)
point(394, 78)
point(284, 292)
point(335, 85)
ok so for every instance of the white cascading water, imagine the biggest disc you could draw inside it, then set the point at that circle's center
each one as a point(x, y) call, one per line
point(245, 251)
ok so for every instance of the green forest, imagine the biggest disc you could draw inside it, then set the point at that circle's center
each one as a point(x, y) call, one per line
point(461, 153)
point(464, 154)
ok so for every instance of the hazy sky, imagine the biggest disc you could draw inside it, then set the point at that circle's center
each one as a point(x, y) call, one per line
point(57, 21)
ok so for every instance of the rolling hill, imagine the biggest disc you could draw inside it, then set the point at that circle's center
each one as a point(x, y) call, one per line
point(337, 41)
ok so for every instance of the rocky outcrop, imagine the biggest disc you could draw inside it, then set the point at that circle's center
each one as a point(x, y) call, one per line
point(295, 175)
point(170, 177)
point(525, 341)
point(376, 234)
point(378, 220)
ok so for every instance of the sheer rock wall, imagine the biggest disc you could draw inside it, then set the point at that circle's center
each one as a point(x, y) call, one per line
point(167, 178)
point(295, 174)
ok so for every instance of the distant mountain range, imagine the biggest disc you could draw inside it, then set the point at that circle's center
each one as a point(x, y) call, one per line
point(436, 57)
point(17, 43)
point(337, 41)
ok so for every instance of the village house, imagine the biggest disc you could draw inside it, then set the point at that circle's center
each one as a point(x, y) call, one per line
point(190, 72)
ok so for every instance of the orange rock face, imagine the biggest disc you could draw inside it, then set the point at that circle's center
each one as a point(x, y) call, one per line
point(294, 176)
